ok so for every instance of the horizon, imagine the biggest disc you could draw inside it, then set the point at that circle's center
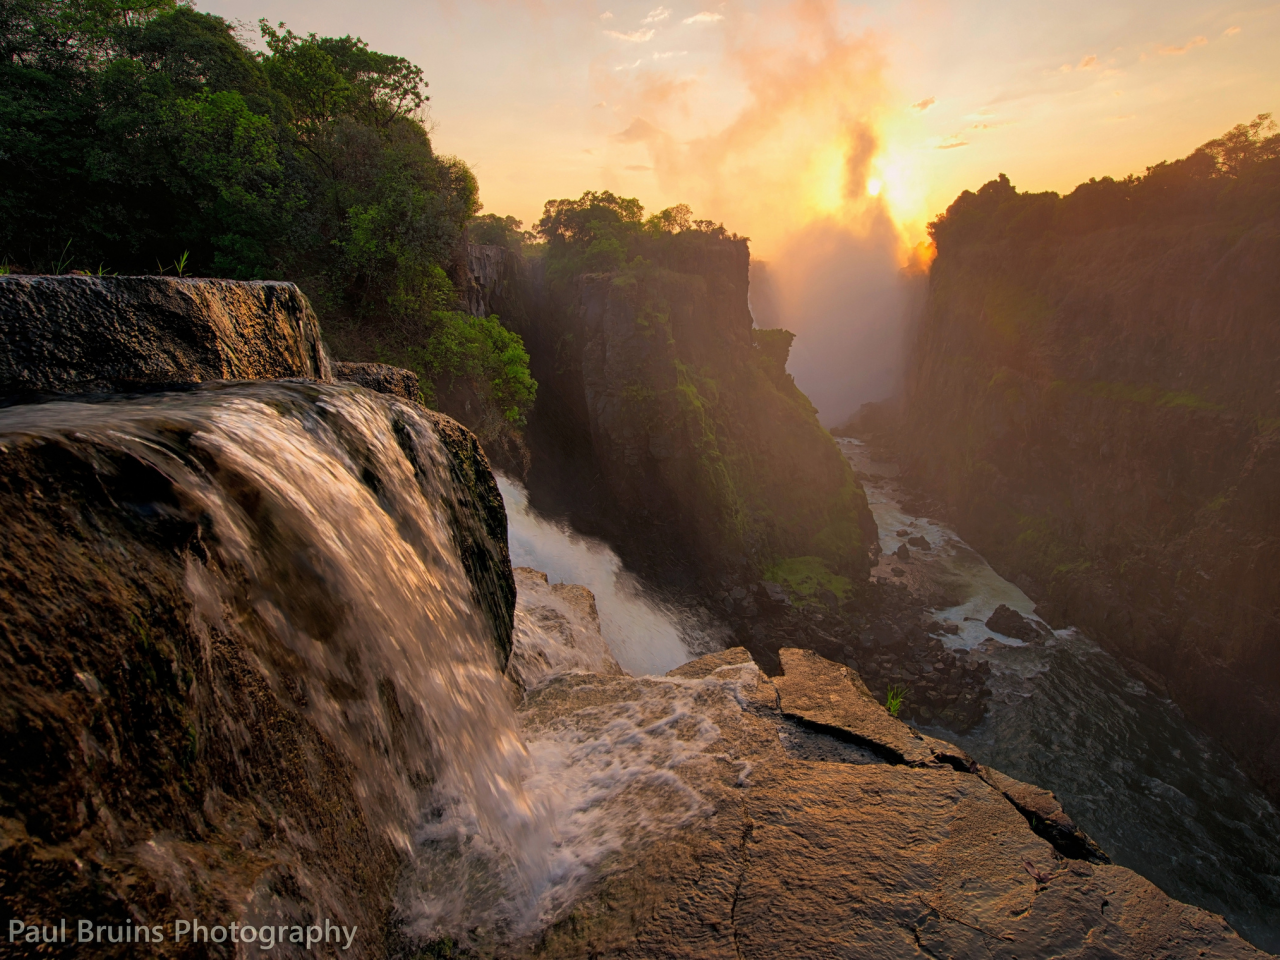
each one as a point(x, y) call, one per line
point(769, 117)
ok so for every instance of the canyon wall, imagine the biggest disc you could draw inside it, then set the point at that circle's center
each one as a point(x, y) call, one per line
point(1094, 395)
point(670, 426)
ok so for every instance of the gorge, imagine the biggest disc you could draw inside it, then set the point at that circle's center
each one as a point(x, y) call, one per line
point(255, 634)
point(381, 579)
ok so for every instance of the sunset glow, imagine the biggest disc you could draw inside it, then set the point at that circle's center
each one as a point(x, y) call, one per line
point(744, 109)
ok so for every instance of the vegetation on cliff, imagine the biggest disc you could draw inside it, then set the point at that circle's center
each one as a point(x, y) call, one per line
point(692, 411)
point(1093, 395)
point(141, 136)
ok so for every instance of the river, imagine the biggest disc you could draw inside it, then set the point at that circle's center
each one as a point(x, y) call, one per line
point(1158, 795)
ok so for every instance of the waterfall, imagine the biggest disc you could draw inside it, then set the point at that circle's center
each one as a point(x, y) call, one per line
point(646, 636)
point(321, 551)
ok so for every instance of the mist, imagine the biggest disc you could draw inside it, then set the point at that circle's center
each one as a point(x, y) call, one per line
point(844, 293)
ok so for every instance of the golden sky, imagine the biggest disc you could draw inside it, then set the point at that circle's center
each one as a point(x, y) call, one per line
point(824, 130)
point(766, 114)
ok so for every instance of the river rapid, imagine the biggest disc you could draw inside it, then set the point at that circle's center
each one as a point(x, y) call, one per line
point(1158, 795)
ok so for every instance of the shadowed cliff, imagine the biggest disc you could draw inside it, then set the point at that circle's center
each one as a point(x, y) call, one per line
point(1093, 396)
point(664, 421)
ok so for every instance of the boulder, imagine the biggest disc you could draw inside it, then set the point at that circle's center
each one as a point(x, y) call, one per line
point(87, 335)
point(1011, 623)
point(381, 378)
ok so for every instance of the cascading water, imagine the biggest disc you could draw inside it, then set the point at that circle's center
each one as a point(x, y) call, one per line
point(325, 550)
point(604, 775)
point(1159, 796)
point(646, 636)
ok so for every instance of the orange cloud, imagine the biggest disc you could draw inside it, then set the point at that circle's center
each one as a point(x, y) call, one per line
point(705, 17)
point(634, 36)
point(1191, 44)
point(922, 105)
point(803, 138)
point(1088, 62)
point(1230, 31)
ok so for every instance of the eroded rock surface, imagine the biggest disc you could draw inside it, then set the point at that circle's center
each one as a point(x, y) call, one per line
point(78, 335)
point(557, 629)
point(381, 378)
point(920, 856)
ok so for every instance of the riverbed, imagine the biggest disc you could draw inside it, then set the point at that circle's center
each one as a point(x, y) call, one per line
point(1158, 795)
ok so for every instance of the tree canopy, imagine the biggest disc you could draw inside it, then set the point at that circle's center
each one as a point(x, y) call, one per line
point(142, 136)
point(1236, 175)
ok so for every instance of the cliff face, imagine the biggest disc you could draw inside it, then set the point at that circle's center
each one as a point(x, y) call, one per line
point(67, 334)
point(652, 381)
point(206, 711)
point(1098, 408)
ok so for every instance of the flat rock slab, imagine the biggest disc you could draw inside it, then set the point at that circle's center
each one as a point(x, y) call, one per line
point(84, 335)
point(830, 695)
point(778, 856)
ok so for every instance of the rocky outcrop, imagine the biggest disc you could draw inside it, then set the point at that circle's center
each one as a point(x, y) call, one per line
point(652, 381)
point(497, 281)
point(1095, 408)
point(78, 335)
point(829, 829)
point(204, 710)
point(381, 378)
point(557, 631)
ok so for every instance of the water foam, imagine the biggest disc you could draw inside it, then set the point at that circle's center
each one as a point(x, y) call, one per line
point(646, 637)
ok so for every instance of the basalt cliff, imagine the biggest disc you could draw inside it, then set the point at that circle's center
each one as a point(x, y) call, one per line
point(665, 422)
point(1093, 398)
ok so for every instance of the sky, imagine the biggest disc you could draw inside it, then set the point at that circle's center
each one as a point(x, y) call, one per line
point(828, 132)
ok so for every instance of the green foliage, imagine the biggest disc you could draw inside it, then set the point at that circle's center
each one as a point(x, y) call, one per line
point(894, 697)
point(1237, 173)
point(481, 353)
point(138, 128)
point(133, 129)
point(601, 232)
point(698, 396)
point(489, 228)
point(805, 577)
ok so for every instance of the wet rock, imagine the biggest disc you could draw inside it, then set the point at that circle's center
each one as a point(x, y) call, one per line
point(1047, 818)
point(381, 378)
point(557, 628)
point(1011, 623)
point(920, 543)
point(222, 789)
point(78, 335)
point(897, 571)
point(809, 848)
point(902, 533)
point(774, 591)
point(903, 552)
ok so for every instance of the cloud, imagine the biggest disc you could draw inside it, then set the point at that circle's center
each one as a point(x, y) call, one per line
point(635, 36)
point(657, 15)
point(706, 16)
point(607, 15)
point(922, 105)
point(952, 143)
point(1230, 31)
point(1191, 44)
point(629, 66)
point(637, 167)
point(1088, 62)
point(669, 54)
